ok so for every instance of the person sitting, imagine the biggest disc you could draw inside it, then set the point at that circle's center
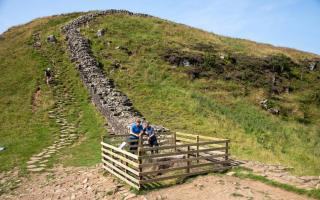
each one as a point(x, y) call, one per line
point(152, 139)
point(48, 74)
point(136, 132)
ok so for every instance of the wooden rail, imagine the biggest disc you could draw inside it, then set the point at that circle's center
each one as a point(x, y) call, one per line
point(179, 155)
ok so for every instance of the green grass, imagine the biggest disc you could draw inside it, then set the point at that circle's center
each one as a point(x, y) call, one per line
point(314, 193)
point(206, 106)
point(25, 131)
point(86, 151)
point(165, 95)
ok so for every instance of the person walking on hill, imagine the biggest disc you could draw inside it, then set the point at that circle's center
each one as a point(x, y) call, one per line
point(136, 132)
point(48, 74)
point(152, 139)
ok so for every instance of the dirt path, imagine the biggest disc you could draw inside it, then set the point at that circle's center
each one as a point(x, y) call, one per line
point(90, 183)
point(69, 183)
point(224, 187)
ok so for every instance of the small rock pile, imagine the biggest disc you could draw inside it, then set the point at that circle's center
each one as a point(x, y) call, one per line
point(112, 103)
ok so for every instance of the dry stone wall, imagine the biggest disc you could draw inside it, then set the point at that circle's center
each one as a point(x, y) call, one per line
point(112, 103)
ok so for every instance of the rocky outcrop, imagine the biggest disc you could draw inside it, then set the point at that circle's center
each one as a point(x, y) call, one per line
point(111, 102)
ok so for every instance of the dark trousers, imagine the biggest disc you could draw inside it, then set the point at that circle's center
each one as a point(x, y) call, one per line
point(153, 143)
point(133, 146)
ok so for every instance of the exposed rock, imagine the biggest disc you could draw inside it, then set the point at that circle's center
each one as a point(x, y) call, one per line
point(186, 63)
point(39, 169)
point(264, 104)
point(273, 111)
point(116, 64)
point(178, 58)
point(230, 173)
point(312, 66)
point(101, 32)
point(52, 39)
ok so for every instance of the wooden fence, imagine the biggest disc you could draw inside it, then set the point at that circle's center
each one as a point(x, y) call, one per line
point(178, 155)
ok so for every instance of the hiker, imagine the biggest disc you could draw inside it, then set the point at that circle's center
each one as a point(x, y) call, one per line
point(136, 132)
point(152, 139)
point(48, 74)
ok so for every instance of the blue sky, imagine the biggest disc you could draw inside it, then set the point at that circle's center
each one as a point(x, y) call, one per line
point(290, 23)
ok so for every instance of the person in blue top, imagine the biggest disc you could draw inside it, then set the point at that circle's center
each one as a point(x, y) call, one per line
point(152, 139)
point(136, 132)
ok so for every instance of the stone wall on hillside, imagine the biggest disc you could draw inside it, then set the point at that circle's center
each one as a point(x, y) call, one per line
point(111, 102)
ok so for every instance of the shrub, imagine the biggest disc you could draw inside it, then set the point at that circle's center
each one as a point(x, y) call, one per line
point(280, 63)
point(210, 61)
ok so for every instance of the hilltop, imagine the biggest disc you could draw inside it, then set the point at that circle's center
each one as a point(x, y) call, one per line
point(266, 99)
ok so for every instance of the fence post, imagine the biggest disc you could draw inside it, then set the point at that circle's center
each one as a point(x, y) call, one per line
point(227, 151)
point(197, 155)
point(188, 162)
point(175, 141)
point(140, 149)
point(112, 157)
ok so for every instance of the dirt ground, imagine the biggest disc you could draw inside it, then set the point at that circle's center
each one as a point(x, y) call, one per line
point(92, 183)
point(222, 187)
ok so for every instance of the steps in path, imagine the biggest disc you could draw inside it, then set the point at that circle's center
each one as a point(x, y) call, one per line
point(68, 132)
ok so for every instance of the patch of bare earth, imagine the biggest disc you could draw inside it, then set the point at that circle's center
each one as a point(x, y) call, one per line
point(91, 183)
point(69, 183)
point(221, 187)
point(36, 98)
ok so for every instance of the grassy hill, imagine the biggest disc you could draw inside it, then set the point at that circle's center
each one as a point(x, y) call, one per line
point(178, 76)
point(25, 126)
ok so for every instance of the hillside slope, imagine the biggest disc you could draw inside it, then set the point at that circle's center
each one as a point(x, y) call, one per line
point(183, 78)
point(197, 82)
point(26, 102)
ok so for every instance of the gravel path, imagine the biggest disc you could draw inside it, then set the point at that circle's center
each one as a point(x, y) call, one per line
point(91, 183)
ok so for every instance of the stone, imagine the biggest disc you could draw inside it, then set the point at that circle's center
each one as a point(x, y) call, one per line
point(30, 162)
point(186, 63)
point(37, 44)
point(35, 158)
point(231, 173)
point(274, 111)
point(130, 196)
point(312, 66)
point(36, 169)
point(73, 197)
point(52, 39)
point(264, 104)
point(101, 32)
